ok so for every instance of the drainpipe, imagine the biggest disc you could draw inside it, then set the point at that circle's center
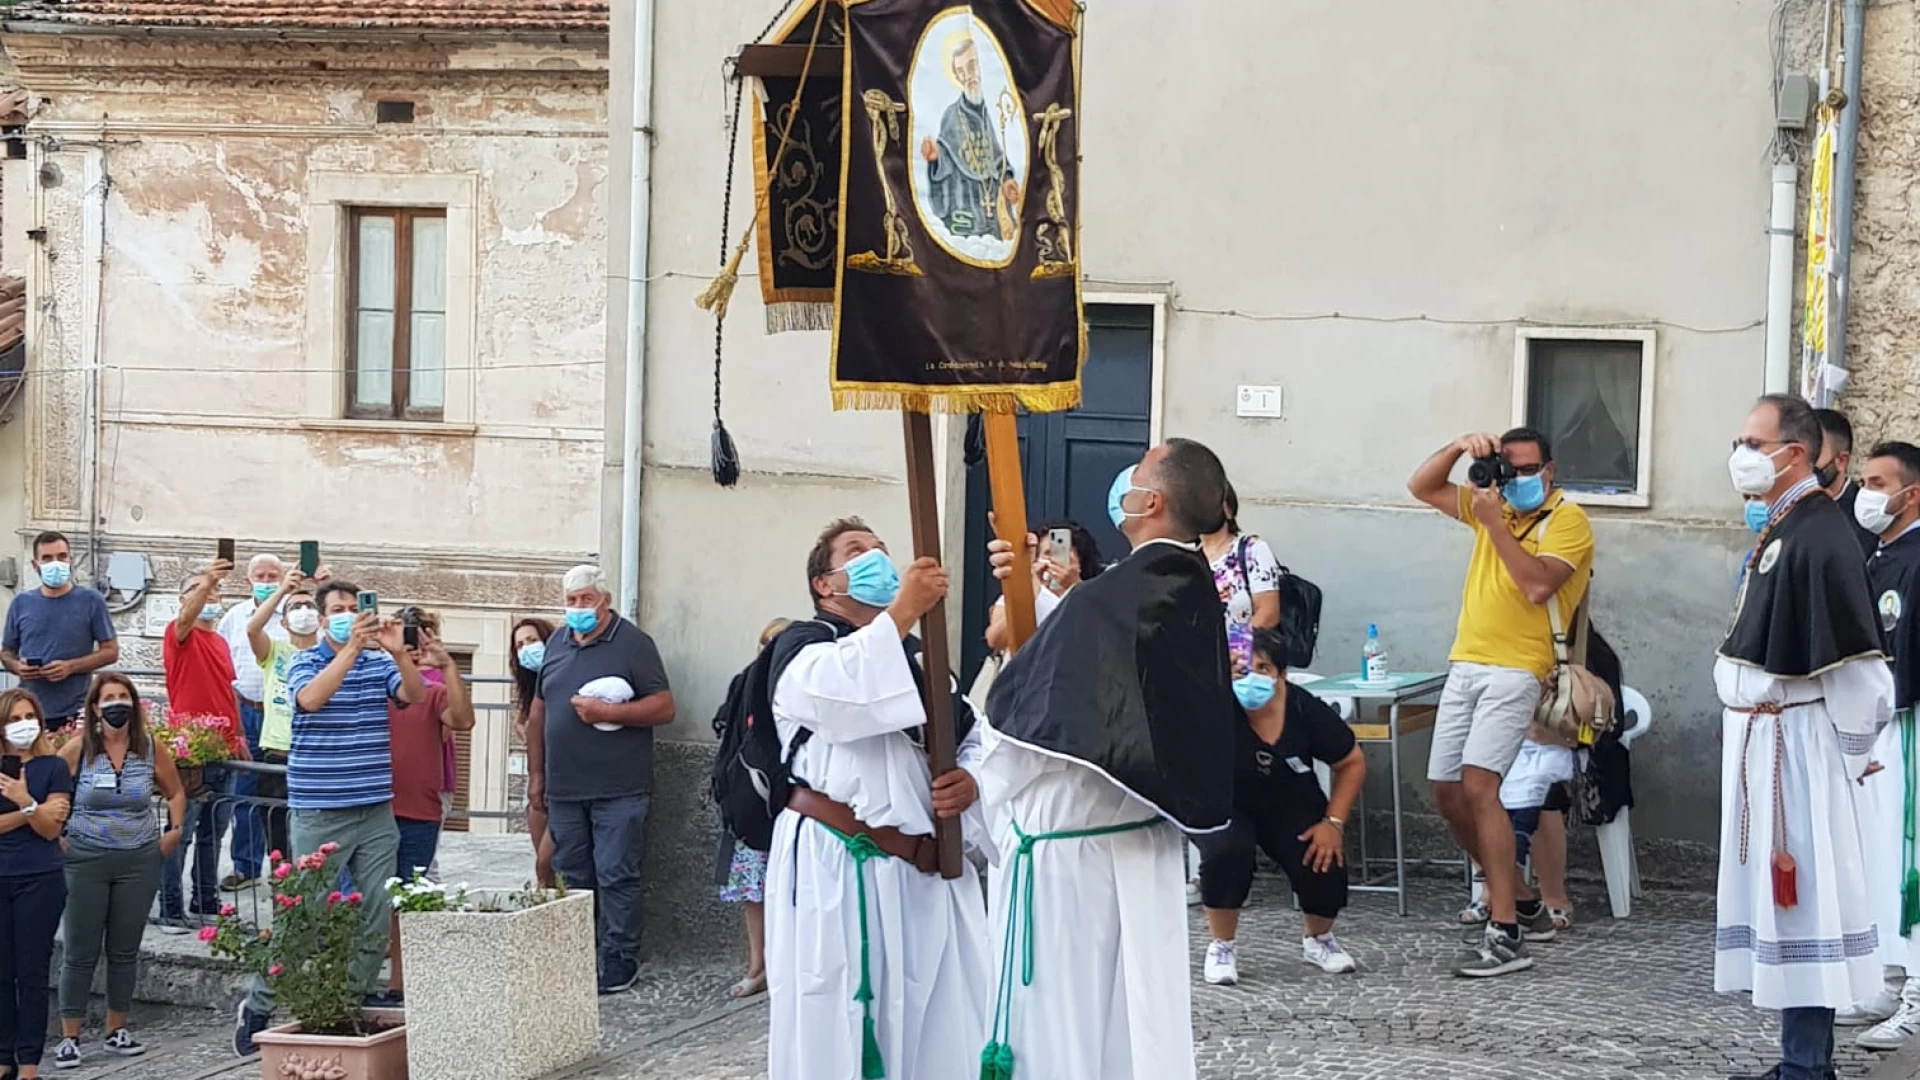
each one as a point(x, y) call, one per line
point(1853, 33)
point(1780, 236)
point(636, 336)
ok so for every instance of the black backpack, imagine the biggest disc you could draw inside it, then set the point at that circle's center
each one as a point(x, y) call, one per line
point(1299, 611)
point(751, 776)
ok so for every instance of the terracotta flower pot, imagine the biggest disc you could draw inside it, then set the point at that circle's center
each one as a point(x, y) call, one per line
point(287, 1053)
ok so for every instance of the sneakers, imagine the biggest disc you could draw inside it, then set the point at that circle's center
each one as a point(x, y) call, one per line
point(124, 1044)
point(1871, 1011)
point(1539, 926)
point(1220, 968)
point(1497, 954)
point(67, 1055)
point(1193, 894)
point(1894, 1032)
point(618, 976)
point(385, 999)
point(235, 883)
point(1325, 953)
point(247, 1024)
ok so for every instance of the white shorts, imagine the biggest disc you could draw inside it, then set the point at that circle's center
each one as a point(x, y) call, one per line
point(1535, 770)
point(1483, 718)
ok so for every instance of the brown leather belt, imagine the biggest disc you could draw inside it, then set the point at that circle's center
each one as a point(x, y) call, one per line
point(919, 851)
point(1773, 708)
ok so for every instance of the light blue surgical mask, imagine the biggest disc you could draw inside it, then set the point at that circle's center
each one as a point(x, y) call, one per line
point(55, 574)
point(872, 579)
point(263, 591)
point(582, 620)
point(1525, 493)
point(209, 612)
point(532, 655)
point(1757, 513)
point(340, 626)
point(1254, 690)
point(1122, 484)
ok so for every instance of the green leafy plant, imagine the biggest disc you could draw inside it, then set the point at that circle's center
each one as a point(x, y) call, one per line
point(306, 955)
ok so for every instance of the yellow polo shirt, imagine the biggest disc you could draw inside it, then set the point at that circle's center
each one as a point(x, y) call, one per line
point(1498, 624)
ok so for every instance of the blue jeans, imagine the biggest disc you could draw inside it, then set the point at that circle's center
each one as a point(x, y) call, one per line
point(419, 841)
point(206, 819)
point(1806, 1044)
point(598, 844)
point(249, 823)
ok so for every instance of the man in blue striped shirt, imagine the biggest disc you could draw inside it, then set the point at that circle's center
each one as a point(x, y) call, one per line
point(340, 770)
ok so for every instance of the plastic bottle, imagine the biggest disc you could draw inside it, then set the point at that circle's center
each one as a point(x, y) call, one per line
point(1373, 657)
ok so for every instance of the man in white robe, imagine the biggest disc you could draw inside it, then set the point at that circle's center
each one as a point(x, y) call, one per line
point(876, 965)
point(1088, 894)
point(1806, 690)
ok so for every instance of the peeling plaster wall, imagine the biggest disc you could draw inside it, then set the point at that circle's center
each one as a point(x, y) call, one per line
point(1883, 337)
point(200, 298)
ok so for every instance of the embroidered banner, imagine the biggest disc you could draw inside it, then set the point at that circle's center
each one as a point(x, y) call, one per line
point(1814, 372)
point(799, 229)
point(958, 273)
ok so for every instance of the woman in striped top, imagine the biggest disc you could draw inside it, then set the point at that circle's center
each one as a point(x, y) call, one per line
point(115, 847)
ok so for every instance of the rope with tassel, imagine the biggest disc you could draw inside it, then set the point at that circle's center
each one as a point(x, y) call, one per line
point(1909, 875)
point(719, 293)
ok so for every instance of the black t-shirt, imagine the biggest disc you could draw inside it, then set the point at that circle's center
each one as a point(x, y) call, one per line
point(23, 852)
point(1277, 779)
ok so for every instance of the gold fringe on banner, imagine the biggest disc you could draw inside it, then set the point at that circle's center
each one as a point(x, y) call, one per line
point(902, 397)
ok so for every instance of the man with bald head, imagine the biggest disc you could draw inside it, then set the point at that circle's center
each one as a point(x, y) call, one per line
point(1110, 736)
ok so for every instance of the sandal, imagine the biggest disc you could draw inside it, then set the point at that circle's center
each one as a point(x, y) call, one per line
point(1562, 917)
point(751, 986)
point(1474, 914)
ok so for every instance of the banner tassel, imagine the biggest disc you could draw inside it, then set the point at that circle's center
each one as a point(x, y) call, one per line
point(717, 295)
point(726, 460)
point(1786, 888)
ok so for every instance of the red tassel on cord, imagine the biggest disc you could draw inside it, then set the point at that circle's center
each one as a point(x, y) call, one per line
point(1786, 890)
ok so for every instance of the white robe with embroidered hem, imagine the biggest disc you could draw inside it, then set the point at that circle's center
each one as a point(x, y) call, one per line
point(1822, 953)
point(1111, 995)
point(927, 937)
point(1882, 799)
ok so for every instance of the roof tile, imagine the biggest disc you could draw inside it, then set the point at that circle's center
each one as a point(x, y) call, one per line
point(544, 16)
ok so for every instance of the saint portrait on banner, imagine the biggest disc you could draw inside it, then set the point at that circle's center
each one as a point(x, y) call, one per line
point(971, 159)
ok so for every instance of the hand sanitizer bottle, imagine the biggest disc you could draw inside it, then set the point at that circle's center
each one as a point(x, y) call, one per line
point(1373, 657)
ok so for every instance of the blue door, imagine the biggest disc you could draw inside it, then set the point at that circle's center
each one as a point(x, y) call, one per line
point(1068, 460)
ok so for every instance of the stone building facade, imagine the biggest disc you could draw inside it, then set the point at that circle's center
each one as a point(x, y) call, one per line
point(316, 276)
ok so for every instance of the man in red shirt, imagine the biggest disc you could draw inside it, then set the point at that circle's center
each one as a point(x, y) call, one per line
point(199, 671)
point(419, 735)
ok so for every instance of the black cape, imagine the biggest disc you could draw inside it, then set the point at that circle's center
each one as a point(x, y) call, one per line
point(1803, 606)
point(1894, 572)
point(1869, 541)
point(1130, 676)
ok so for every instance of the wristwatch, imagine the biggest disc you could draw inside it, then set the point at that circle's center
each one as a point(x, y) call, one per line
point(30, 808)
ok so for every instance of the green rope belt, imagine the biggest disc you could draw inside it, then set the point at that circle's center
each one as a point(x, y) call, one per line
point(860, 849)
point(1909, 876)
point(996, 1058)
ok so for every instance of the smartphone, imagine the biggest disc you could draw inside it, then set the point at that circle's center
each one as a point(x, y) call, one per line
point(10, 767)
point(410, 626)
point(367, 601)
point(1060, 546)
point(225, 550)
point(309, 557)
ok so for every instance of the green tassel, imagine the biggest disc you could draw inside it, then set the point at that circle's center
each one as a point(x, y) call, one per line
point(871, 1067)
point(1909, 903)
point(996, 1062)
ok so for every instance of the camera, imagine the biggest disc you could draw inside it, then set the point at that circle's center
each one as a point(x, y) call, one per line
point(1490, 471)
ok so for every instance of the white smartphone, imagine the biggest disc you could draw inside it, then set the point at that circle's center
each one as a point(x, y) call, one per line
point(1060, 546)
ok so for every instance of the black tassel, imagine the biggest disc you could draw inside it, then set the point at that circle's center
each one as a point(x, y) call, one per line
point(976, 451)
point(726, 460)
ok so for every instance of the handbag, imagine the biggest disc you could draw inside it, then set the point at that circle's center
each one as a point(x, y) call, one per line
point(1576, 706)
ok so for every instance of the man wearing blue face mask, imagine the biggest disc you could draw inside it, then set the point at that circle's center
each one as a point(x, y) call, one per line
point(1532, 557)
point(876, 965)
point(58, 634)
point(601, 691)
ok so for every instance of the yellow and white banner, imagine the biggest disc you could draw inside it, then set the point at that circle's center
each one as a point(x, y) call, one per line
point(1813, 323)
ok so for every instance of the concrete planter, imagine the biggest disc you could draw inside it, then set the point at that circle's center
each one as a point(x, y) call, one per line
point(500, 995)
point(287, 1053)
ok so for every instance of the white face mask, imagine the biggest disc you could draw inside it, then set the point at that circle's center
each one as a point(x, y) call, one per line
point(1870, 510)
point(303, 621)
point(21, 733)
point(1752, 470)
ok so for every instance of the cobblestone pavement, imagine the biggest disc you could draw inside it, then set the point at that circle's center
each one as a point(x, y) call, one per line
point(1610, 1001)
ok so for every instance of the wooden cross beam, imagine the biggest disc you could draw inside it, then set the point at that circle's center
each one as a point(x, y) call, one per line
point(785, 61)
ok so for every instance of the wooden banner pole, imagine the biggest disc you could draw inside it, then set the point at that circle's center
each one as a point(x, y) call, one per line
point(1010, 521)
point(924, 512)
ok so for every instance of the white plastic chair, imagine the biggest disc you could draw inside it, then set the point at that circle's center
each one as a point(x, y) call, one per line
point(1616, 837)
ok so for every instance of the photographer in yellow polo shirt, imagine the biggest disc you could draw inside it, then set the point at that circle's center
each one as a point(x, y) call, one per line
point(1530, 546)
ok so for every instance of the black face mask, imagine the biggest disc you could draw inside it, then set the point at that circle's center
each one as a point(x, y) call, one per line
point(1826, 474)
point(117, 714)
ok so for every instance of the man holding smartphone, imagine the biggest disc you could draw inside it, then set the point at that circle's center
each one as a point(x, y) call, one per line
point(340, 772)
point(57, 635)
